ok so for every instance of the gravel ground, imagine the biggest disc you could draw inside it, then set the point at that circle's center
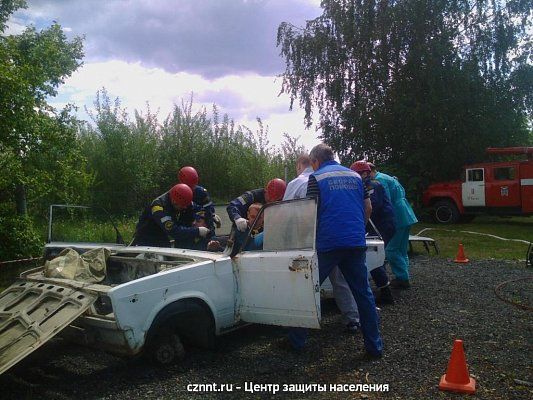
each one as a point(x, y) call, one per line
point(447, 302)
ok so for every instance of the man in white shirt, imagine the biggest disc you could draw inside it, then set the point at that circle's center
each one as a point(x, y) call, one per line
point(297, 189)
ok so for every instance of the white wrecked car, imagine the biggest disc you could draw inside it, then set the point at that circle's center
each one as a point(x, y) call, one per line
point(155, 299)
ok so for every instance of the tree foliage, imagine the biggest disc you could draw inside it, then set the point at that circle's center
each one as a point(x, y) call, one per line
point(134, 161)
point(415, 85)
point(39, 153)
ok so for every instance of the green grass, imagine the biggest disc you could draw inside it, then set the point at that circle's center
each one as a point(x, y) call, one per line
point(478, 247)
point(87, 230)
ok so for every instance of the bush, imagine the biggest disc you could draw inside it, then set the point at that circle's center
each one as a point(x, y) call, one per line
point(19, 238)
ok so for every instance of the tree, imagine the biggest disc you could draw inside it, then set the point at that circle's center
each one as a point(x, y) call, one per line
point(291, 150)
point(133, 162)
point(32, 66)
point(122, 155)
point(38, 145)
point(414, 85)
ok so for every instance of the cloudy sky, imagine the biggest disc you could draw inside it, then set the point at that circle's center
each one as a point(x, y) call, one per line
point(161, 51)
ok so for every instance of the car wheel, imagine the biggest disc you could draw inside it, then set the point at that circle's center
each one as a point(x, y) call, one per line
point(445, 212)
point(166, 348)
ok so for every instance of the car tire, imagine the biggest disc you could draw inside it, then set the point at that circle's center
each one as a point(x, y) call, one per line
point(166, 348)
point(445, 212)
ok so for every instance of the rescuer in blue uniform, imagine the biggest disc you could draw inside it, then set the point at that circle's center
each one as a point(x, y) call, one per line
point(189, 176)
point(168, 220)
point(404, 217)
point(383, 218)
point(343, 211)
point(238, 208)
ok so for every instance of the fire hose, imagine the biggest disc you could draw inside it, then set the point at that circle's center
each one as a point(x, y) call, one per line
point(497, 292)
point(529, 254)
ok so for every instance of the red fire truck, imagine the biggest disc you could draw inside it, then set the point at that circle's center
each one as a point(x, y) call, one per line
point(501, 188)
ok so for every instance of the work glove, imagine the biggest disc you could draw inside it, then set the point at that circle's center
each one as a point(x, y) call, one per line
point(203, 231)
point(241, 224)
point(217, 221)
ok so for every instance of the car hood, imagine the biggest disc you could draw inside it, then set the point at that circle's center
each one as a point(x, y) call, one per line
point(31, 313)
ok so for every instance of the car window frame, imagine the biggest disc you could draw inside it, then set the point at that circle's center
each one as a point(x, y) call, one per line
point(261, 212)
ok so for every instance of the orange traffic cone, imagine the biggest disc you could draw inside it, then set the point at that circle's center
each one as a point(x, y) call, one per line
point(457, 378)
point(461, 258)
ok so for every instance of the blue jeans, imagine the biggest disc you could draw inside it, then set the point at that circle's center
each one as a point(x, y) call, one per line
point(351, 262)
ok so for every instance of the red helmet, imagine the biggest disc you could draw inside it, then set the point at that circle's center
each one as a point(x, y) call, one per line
point(360, 166)
point(275, 189)
point(181, 195)
point(188, 176)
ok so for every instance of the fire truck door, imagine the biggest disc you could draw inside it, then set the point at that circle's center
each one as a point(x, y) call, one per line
point(473, 192)
point(504, 189)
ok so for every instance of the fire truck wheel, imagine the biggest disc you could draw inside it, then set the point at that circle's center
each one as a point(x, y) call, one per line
point(445, 212)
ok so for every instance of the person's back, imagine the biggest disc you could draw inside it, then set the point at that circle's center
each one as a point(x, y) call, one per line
point(297, 188)
point(382, 210)
point(189, 176)
point(404, 217)
point(382, 218)
point(403, 212)
point(168, 218)
point(149, 233)
point(387, 181)
point(339, 225)
point(343, 208)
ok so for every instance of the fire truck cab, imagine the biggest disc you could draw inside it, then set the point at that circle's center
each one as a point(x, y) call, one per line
point(501, 188)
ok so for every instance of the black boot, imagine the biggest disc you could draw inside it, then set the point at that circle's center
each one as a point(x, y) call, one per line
point(385, 296)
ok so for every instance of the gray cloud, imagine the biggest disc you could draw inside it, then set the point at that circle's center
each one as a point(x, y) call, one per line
point(223, 98)
point(212, 38)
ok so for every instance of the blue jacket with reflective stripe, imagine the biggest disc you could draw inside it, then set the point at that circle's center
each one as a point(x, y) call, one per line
point(341, 212)
point(201, 197)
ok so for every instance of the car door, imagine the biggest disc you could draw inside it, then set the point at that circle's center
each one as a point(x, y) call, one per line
point(473, 193)
point(279, 285)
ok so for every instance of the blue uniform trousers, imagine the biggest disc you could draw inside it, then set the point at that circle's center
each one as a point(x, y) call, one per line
point(379, 275)
point(351, 262)
point(396, 253)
